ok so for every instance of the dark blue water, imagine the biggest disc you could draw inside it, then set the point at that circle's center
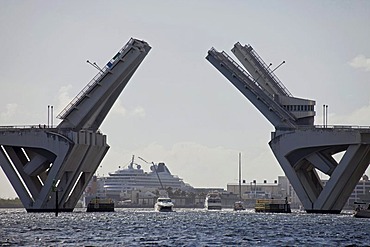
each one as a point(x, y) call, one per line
point(185, 227)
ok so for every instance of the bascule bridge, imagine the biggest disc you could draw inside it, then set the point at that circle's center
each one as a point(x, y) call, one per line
point(49, 167)
point(300, 147)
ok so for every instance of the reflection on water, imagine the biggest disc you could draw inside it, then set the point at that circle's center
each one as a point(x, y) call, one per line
point(185, 227)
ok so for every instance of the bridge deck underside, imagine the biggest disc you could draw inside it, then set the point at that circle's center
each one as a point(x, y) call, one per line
point(302, 153)
point(34, 161)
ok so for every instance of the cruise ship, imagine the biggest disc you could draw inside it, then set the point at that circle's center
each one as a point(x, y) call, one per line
point(133, 177)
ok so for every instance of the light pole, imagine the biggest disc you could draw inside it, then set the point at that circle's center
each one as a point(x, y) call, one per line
point(326, 118)
point(48, 114)
point(325, 115)
point(278, 66)
point(51, 118)
point(255, 188)
point(95, 65)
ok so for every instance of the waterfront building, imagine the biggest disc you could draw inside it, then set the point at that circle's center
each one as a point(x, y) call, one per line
point(361, 191)
point(281, 188)
point(252, 190)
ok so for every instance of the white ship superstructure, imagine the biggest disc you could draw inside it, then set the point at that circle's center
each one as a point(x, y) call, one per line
point(133, 177)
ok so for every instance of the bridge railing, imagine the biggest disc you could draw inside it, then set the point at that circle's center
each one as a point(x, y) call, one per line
point(16, 127)
point(94, 81)
point(362, 127)
point(44, 126)
point(38, 127)
point(269, 71)
point(242, 70)
point(253, 86)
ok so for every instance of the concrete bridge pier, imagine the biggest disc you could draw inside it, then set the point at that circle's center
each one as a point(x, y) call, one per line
point(301, 153)
point(49, 168)
point(36, 160)
point(301, 148)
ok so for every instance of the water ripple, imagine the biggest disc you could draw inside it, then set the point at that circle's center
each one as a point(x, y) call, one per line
point(186, 227)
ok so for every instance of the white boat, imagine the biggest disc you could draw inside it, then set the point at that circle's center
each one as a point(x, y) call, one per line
point(164, 204)
point(361, 212)
point(213, 201)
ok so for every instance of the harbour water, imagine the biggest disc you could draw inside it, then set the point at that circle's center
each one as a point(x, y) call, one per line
point(185, 227)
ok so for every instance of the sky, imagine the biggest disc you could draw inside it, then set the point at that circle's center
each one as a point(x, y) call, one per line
point(177, 108)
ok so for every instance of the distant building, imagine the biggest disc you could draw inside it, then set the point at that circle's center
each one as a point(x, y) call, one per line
point(254, 190)
point(278, 189)
point(281, 188)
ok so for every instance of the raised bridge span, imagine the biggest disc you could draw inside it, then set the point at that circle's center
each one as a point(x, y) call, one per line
point(50, 167)
point(300, 147)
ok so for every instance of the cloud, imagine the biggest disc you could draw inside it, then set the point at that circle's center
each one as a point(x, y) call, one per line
point(360, 62)
point(119, 109)
point(359, 117)
point(63, 97)
point(138, 111)
point(9, 113)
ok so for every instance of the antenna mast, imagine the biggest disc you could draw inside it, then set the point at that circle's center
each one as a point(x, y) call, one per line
point(240, 176)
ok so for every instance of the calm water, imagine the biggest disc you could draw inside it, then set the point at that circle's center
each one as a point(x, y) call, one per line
point(185, 227)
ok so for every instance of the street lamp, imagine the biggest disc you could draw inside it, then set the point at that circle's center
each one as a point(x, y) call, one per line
point(325, 115)
point(326, 118)
point(95, 65)
point(278, 66)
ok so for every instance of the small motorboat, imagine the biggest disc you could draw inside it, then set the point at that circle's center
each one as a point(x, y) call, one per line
point(164, 204)
point(239, 205)
point(213, 201)
point(362, 212)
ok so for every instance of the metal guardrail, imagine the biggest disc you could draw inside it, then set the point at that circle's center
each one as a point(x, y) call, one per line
point(362, 127)
point(241, 70)
point(15, 127)
point(93, 82)
point(44, 126)
point(224, 55)
point(269, 71)
point(37, 127)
